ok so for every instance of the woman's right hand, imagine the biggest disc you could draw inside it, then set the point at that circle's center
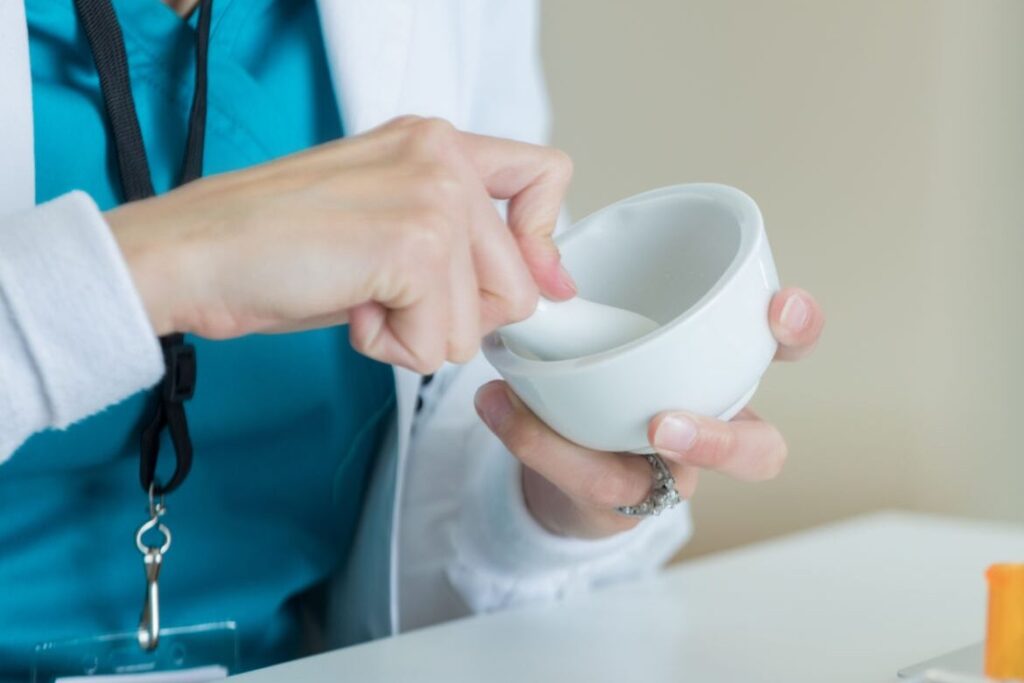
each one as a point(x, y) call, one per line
point(393, 231)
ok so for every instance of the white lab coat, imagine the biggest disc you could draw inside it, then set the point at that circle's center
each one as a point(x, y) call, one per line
point(446, 532)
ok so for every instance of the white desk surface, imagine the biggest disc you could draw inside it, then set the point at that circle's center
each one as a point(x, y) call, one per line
point(853, 601)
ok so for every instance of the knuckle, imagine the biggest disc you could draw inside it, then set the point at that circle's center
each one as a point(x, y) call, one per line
point(361, 340)
point(432, 136)
point(717, 446)
point(372, 344)
point(561, 164)
point(464, 350)
point(429, 366)
point(404, 120)
point(427, 360)
point(522, 301)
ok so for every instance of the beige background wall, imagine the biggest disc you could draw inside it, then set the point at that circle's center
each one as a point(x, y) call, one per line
point(884, 141)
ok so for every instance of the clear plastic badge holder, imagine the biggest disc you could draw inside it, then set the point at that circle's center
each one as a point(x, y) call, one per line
point(191, 654)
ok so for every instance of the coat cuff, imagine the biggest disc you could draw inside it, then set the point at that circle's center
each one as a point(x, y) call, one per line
point(505, 558)
point(78, 333)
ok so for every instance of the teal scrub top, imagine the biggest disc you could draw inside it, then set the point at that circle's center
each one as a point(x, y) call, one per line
point(285, 427)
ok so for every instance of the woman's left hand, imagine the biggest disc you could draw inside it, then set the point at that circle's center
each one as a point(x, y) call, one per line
point(574, 491)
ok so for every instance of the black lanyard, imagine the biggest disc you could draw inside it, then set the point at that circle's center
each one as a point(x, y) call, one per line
point(178, 384)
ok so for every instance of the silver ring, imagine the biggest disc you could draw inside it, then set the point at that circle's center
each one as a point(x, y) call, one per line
point(663, 495)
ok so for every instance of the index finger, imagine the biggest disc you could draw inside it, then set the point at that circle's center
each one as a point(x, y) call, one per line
point(534, 179)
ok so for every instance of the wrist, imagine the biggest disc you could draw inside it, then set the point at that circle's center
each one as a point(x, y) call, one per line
point(155, 265)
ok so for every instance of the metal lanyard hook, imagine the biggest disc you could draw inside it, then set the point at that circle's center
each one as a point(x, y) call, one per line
point(152, 557)
point(149, 622)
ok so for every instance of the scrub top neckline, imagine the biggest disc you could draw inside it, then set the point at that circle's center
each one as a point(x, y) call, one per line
point(165, 42)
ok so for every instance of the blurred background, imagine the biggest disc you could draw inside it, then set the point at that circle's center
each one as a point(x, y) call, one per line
point(884, 142)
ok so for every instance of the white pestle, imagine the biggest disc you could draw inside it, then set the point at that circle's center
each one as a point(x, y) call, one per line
point(559, 330)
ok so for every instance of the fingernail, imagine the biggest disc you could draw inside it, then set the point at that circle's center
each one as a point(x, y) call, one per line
point(795, 313)
point(566, 282)
point(494, 406)
point(675, 434)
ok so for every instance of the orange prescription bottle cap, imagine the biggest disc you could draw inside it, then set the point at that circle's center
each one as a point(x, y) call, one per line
point(1004, 643)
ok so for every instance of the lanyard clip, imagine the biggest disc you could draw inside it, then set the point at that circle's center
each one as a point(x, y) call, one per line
point(152, 557)
point(149, 622)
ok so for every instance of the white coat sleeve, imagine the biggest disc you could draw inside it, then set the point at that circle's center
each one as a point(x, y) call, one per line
point(74, 335)
point(501, 556)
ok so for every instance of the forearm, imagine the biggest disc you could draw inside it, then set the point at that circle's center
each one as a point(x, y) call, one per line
point(74, 336)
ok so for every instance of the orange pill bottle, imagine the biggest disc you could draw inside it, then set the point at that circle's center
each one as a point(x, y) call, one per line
point(1004, 642)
